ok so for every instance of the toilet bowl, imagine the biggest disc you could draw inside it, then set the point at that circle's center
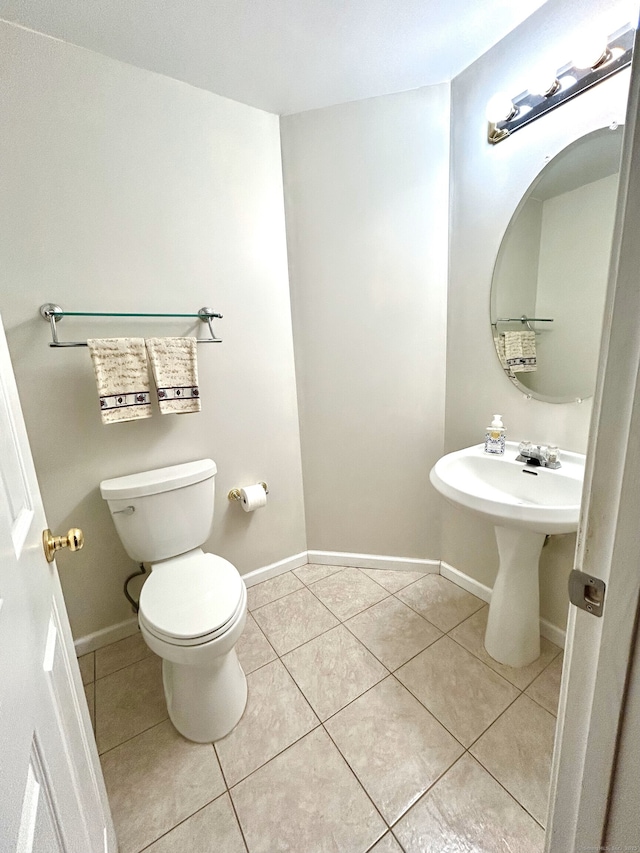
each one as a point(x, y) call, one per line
point(193, 606)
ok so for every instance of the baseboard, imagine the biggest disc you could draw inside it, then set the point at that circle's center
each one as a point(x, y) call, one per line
point(553, 633)
point(273, 569)
point(465, 581)
point(547, 630)
point(373, 561)
point(106, 636)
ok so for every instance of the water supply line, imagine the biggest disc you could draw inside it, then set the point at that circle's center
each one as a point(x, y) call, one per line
point(134, 604)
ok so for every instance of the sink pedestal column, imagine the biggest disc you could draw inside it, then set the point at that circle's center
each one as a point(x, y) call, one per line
point(513, 627)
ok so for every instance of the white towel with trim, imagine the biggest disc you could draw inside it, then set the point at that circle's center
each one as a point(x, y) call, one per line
point(174, 362)
point(520, 351)
point(122, 376)
point(498, 342)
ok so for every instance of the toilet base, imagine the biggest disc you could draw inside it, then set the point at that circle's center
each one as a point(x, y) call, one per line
point(205, 703)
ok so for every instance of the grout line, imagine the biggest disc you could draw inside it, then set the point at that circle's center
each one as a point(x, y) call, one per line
point(310, 640)
point(540, 705)
point(255, 622)
point(219, 763)
point(276, 755)
point(429, 711)
point(417, 654)
point(424, 793)
point(368, 607)
point(127, 665)
point(430, 643)
point(338, 569)
point(360, 784)
point(126, 740)
point(495, 672)
point(237, 817)
point(183, 820)
point(513, 797)
point(273, 601)
point(501, 714)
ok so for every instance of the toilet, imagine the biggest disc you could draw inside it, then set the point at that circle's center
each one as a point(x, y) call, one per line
point(193, 606)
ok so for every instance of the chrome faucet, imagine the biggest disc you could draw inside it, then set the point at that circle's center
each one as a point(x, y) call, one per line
point(535, 454)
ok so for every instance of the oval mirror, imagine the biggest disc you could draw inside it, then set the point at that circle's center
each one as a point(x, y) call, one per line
point(550, 276)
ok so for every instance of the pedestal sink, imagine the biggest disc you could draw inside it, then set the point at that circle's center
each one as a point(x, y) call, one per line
point(524, 504)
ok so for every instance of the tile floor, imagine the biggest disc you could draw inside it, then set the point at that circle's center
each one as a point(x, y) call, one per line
point(375, 722)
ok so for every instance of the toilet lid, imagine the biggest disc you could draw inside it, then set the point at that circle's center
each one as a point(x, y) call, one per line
point(191, 598)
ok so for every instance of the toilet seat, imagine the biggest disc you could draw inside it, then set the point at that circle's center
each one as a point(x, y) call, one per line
point(191, 599)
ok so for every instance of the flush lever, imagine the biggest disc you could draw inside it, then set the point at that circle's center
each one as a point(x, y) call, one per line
point(128, 510)
point(587, 592)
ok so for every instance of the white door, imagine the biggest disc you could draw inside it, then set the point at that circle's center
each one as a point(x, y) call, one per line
point(599, 650)
point(52, 795)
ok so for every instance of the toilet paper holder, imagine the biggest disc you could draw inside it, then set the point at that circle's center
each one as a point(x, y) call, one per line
point(234, 494)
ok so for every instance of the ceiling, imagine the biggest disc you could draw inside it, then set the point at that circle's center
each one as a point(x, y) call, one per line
point(284, 56)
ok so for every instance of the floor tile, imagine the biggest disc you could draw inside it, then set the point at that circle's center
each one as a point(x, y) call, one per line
point(308, 800)
point(157, 780)
point(213, 828)
point(459, 690)
point(277, 714)
point(546, 688)
point(388, 844)
point(268, 591)
point(440, 601)
point(89, 692)
point(470, 634)
point(87, 667)
point(395, 747)
point(118, 655)
point(128, 702)
point(294, 619)
point(314, 572)
point(517, 750)
point(348, 592)
point(468, 811)
point(332, 670)
point(393, 631)
point(253, 648)
point(393, 580)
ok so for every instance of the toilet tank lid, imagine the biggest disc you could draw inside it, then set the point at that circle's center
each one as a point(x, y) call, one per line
point(158, 480)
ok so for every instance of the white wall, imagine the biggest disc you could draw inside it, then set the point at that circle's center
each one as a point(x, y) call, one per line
point(122, 190)
point(366, 188)
point(488, 183)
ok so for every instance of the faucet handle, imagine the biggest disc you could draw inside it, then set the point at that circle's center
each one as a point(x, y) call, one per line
point(524, 446)
point(551, 453)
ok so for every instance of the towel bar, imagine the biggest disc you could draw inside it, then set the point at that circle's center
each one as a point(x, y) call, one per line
point(526, 321)
point(54, 313)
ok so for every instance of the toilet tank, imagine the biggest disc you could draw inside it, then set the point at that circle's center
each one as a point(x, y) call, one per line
point(162, 513)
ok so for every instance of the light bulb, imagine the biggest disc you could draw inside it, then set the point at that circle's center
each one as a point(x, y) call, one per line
point(543, 83)
point(591, 52)
point(500, 108)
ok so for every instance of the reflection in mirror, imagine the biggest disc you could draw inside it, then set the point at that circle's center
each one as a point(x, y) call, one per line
point(550, 277)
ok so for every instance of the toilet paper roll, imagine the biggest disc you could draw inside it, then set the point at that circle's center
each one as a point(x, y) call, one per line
point(253, 497)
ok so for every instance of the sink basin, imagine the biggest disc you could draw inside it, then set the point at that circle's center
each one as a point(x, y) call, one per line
point(511, 494)
point(524, 504)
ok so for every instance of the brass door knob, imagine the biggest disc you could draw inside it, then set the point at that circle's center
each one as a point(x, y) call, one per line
point(74, 540)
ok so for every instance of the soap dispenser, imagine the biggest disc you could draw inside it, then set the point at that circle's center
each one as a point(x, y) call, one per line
point(494, 441)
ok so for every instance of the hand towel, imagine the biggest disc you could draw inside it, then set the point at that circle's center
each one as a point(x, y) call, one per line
point(175, 369)
point(498, 342)
point(120, 365)
point(520, 351)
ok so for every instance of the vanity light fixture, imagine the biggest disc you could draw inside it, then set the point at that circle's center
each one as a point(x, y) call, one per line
point(594, 64)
